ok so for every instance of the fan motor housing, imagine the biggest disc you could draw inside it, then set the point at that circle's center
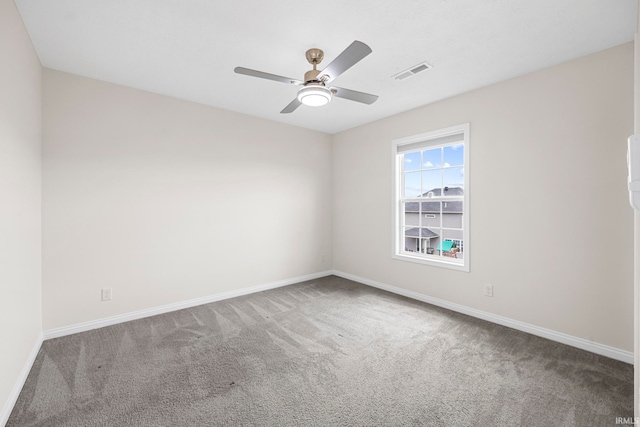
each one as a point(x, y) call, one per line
point(311, 75)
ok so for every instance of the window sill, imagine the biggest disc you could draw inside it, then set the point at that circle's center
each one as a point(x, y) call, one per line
point(435, 261)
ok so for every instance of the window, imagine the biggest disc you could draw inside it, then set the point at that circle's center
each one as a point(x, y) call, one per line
point(431, 198)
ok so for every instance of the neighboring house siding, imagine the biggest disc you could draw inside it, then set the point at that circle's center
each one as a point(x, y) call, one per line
point(452, 221)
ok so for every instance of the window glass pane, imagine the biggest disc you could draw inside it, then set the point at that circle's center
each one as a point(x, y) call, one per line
point(429, 244)
point(431, 214)
point(454, 241)
point(431, 207)
point(425, 237)
point(435, 242)
point(412, 161)
point(411, 240)
point(411, 213)
point(431, 181)
point(452, 214)
point(454, 155)
point(431, 158)
point(412, 184)
point(429, 236)
point(454, 178)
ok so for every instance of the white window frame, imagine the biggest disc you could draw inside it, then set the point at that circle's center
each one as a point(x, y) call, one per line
point(425, 140)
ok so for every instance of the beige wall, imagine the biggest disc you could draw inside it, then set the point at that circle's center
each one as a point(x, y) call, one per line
point(547, 151)
point(20, 125)
point(165, 200)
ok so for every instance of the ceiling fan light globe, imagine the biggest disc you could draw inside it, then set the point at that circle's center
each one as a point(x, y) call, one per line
point(314, 96)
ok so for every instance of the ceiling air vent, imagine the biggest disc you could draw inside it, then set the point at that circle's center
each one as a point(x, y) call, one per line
point(412, 71)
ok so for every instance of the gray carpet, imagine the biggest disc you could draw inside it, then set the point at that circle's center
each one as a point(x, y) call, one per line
point(327, 352)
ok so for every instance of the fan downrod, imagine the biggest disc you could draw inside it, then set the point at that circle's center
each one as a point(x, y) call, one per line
point(314, 56)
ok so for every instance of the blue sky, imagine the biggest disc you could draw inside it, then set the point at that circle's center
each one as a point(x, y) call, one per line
point(434, 168)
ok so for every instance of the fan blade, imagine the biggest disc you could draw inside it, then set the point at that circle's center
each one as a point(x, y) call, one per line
point(268, 76)
point(347, 59)
point(291, 107)
point(353, 95)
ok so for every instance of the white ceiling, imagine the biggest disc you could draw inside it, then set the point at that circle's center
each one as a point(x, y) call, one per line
point(188, 49)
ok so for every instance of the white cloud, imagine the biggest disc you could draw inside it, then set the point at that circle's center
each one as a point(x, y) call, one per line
point(446, 165)
point(428, 165)
point(407, 160)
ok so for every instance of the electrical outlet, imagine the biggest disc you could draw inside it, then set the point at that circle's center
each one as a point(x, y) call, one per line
point(107, 294)
point(488, 290)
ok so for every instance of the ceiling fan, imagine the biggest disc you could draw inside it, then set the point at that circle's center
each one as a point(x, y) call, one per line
point(314, 91)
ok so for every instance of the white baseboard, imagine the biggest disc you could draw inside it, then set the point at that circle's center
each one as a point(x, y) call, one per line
point(17, 387)
point(594, 347)
point(108, 321)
